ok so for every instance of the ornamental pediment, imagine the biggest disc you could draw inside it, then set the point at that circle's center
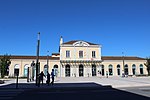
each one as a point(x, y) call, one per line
point(80, 43)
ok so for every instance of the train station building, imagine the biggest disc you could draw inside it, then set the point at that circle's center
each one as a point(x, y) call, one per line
point(78, 58)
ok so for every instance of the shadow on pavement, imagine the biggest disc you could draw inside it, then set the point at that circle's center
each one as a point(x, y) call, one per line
point(56, 85)
point(72, 91)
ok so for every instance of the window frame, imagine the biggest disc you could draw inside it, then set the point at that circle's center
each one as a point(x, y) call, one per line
point(93, 54)
point(80, 54)
point(67, 53)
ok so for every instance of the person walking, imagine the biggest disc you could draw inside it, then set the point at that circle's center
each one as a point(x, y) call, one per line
point(41, 75)
point(52, 75)
point(48, 78)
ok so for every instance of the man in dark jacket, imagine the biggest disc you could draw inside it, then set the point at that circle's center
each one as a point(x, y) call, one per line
point(41, 75)
point(48, 78)
point(52, 74)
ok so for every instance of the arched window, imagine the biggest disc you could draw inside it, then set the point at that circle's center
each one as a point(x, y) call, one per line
point(133, 69)
point(110, 69)
point(118, 69)
point(45, 69)
point(141, 69)
point(126, 69)
point(16, 70)
point(67, 70)
point(26, 70)
point(93, 70)
point(56, 70)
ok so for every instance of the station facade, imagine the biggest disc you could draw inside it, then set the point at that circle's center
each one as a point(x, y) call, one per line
point(78, 58)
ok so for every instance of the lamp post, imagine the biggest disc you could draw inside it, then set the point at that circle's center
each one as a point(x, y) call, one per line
point(123, 63)
point(37, 59)
point(47, 61)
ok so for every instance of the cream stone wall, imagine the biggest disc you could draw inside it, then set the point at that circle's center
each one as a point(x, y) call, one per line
point(80, 46)
point(75, 69)
point(55, 62)
point(74, 53)
point(74, 56)
point(23, 62)
point(114, 63)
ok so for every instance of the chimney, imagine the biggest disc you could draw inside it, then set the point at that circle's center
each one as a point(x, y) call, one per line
point(61, 40)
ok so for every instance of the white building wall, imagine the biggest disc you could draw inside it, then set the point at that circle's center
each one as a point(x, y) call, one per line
point(128, 62)
point(75, 68)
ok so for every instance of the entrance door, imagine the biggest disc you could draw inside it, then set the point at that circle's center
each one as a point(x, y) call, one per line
point(133, 69)
point(103, 71)
point(16, 70)
point(56, 70)
point(81, 70)
point(26, 70)
point(110, 69)
point(126, 69)
point(141, 69)
point(93, 70)
point(67, 70)
point(118, 69)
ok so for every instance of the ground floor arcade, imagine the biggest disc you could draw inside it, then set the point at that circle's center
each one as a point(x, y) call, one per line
point(99, 68)
point(78, 68)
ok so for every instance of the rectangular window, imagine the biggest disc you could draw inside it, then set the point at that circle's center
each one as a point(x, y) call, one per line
point(67, 54)
point(93, 54)
point(80, 54)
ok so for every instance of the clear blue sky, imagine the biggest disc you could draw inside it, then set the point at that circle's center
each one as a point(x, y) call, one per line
point(118, 25)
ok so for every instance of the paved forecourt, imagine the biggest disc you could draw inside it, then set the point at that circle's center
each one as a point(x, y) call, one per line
point(115, 82)
point(82, 84)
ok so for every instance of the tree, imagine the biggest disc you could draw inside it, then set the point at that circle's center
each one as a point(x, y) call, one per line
point(4, 65)
point(147, 64)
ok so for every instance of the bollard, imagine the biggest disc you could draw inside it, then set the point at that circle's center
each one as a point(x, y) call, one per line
point(17, 81)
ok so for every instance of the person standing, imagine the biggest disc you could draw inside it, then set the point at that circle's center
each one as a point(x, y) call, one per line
point(52, 75)
point(100, 74)
point(107, 74)
point(48, 78)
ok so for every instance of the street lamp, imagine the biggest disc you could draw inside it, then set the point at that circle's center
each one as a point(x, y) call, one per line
point(37, 59)
point(123, 63)
point(0, 67)
point(47, 61)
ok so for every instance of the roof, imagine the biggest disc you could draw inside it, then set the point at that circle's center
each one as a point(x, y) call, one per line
point(57, 58)
point(32, 57)
point(73, 41)
point(121, 58)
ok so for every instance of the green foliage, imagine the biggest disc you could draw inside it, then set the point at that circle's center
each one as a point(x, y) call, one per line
point(4, 64)
point(147, 64)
